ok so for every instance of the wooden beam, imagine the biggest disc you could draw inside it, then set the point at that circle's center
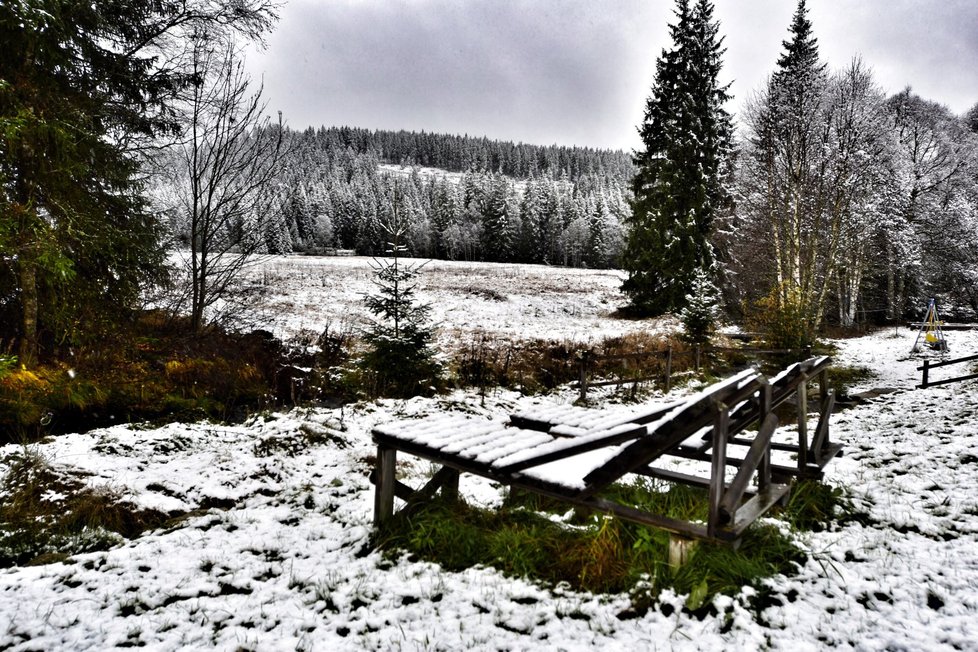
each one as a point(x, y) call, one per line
point(384, 491)
point(755, 456)
point(718, 465)
point(821, 438)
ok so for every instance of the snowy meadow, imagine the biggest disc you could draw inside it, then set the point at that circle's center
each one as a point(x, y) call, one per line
point(272, 551)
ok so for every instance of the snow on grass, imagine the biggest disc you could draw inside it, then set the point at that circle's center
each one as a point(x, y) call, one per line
point(511, 301)
point(274, 550)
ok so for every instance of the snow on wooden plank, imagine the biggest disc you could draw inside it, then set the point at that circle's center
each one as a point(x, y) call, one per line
point(569, 473)
point(525, 439)
point(555, 446)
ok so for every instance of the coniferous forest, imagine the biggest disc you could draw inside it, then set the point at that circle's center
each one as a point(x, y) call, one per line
point(472, 199)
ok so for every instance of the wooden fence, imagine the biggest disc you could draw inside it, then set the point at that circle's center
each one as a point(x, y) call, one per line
point(651, 366)
point(926, 382)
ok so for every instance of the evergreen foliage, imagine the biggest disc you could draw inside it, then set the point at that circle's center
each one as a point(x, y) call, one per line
point(333, 196)
point(702, 308)
point(83, 87)
point(399, 355)
point(679, 188)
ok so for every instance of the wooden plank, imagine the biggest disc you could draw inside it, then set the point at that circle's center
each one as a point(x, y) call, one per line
point(935, 383)
point(776, 469)
point(821, 437)
point(756, 507)
point(803, 421)
point(945, 363)
point(755, 455)
point(673, 476)
point(571, 449)
point(718, 466)
point(665, 435)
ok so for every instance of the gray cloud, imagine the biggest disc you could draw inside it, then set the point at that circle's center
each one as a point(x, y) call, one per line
point(573, 71)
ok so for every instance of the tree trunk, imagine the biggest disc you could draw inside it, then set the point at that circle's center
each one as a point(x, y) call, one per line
point(28, 350)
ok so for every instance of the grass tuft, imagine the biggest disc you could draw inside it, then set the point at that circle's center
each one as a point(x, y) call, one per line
point(590, 552)
point(47, 515)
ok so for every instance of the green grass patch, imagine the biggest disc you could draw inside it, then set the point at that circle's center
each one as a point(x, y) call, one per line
point(548, 541)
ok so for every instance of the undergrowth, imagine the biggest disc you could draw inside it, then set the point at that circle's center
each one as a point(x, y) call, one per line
point(544, 540)
point(47, 515)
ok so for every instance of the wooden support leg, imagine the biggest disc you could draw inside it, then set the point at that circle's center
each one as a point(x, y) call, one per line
point(719, 466)
point(449, 490)
point(764, 468)
point(803, 423)
point(384, 491)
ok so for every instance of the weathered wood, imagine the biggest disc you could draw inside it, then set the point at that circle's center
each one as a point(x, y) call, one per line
point(945, 363)
point(821, 438)
point(680, 550)
point(802, 421)
point(751, 395)
point(764, 465)
point(755, 508)
point(926, 368)
point(384, 493)
point(573, 449)
point(946, 381)
point(667, 435)
point(718, 466)
point(585, 358)
point(449, 488)
point(669, 369)
point(755, 456)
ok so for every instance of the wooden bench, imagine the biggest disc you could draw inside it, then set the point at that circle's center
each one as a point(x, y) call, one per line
point(572, 454)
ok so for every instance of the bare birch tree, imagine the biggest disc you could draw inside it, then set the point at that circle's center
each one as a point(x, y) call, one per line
point(224, 175)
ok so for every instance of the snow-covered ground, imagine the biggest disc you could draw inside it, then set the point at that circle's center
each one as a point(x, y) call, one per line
point(284, 563)
point(311, 293)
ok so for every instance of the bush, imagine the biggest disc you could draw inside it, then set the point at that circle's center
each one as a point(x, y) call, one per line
point(781, 318)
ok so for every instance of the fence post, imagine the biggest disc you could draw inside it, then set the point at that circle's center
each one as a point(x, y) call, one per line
point(923, 384)
point(668, 368)
point(583, 378)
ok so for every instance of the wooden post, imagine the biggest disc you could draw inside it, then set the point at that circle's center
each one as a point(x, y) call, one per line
point(384, 491)
point(721, 420)
point(803, 422)
point(764, 468)
point(669, 369)
point(449, 490)
point(680, 550)
point(583, 378)
point(923, 381)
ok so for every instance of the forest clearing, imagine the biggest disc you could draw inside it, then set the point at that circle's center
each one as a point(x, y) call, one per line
point(274, 549)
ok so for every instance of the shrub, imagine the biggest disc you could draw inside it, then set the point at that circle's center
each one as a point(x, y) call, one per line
point(781, 318)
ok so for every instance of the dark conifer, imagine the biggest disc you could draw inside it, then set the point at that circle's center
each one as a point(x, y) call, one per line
point(679, 185)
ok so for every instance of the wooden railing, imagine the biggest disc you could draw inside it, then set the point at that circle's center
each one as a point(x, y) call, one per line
point(659, 366)
point(926, 382)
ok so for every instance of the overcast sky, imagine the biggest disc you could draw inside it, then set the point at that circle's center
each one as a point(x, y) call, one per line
point(575, 72)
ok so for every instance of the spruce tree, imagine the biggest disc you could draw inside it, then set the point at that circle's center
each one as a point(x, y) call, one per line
point(84, 85)
point(680, 184)
point(399, 357)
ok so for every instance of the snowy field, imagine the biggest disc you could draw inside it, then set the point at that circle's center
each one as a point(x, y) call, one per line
point(310, 293)
point(277, 557)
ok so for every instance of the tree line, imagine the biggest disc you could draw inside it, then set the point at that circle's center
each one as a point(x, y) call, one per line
point(332, 192)
point(129, 128)
point(837, 203)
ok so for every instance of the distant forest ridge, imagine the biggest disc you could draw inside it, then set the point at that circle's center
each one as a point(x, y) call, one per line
point(477, 199)
point(454, 153)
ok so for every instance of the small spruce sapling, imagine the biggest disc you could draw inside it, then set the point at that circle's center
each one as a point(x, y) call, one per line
point(399, 355)
point(701, 312)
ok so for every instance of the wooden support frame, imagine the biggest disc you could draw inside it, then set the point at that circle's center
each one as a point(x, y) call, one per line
point(726, 409)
